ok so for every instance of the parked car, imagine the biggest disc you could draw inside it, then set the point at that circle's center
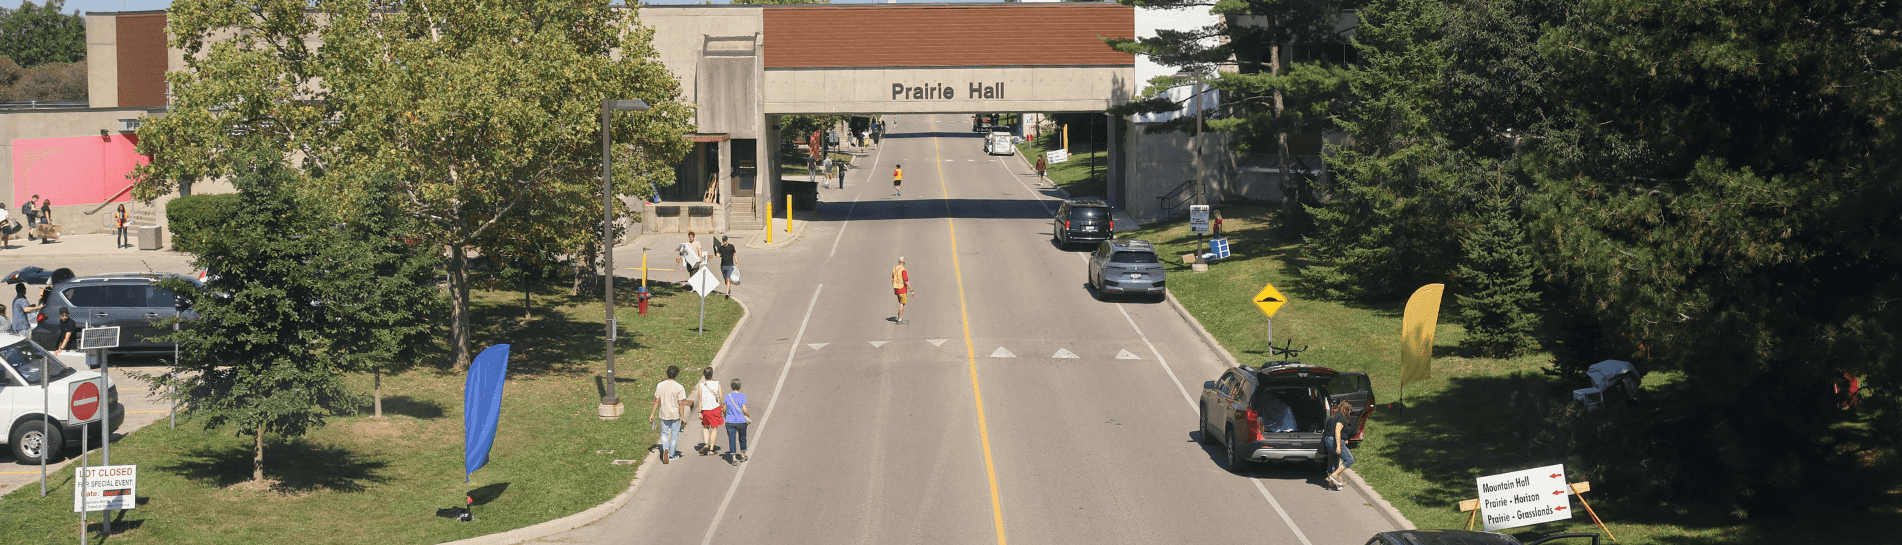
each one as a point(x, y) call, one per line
point(22, 364)
point(1464, 537)
point(130, 301)
point(1126, 265)
point(1274, 413)
point(1082, 220)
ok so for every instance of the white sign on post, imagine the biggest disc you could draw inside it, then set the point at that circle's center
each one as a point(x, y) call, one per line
point(1525, 497)
point(703, 281)
point(1199, 219)
point(1057, 155)
point(107, 487)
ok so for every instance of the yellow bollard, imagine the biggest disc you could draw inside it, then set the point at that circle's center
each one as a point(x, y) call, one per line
point(769, 222)
point(643, 269)
point(789, 214)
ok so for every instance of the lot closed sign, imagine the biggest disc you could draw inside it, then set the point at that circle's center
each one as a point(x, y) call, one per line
point(1520, 498)
point(106, 487)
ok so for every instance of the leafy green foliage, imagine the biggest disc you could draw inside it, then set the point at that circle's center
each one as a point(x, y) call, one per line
point(485, 116)
point(1495, 285)
point(196, 220)
point(300, 295)
point(37, 34)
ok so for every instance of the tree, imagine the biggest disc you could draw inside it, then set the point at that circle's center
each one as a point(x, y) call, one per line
point(1495, 284)
point(478, 111)
point(39, 34)
point(304, 292)
point(47, 82)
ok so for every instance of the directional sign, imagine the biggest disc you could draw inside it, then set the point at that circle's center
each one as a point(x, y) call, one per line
point(1057, 155)
point(85, 401)
point(107, 487)
point(1526, 497)
point(1269, 300)
point(703, 281)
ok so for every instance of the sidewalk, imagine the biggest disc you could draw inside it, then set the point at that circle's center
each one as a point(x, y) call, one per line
point(78, 246)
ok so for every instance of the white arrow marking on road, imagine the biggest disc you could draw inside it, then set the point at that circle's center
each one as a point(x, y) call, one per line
point(876, 344)
point(1064, 353)
point(1125, 355)
point(1002, 353)
point(936, 342)
point(816, 346)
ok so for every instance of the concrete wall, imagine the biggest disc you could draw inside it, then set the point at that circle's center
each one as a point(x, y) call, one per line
point(680, 32)
point(1155, 164)
point(947, 90)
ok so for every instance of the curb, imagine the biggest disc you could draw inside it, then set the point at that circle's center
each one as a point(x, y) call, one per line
point(1373, 497)
point(598, 512)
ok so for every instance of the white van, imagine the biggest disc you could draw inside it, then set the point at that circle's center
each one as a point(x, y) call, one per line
point(22, 364)
point(999, 143)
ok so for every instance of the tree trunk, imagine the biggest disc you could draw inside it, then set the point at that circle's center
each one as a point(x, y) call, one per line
point(377, 391)
point(459, 306)
point(528, 304)
point(257, 456)
point(583, 280)
point(1281, 139)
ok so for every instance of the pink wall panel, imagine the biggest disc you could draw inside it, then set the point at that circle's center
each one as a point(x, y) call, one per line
point(76, 170)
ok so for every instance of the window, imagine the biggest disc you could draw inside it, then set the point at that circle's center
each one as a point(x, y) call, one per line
point(1134, 257)
point(1085, 213)
point(28, 362)
point(89, 296)
point(161, 298)
point(126, 295)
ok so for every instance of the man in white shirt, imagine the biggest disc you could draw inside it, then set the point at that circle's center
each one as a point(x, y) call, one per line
point(670, 401)
point(690, 255)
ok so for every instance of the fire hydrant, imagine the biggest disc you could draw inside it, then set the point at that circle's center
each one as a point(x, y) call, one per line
point(642, 295)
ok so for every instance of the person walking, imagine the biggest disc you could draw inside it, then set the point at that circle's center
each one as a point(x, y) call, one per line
point(901, 285)
point(728, 272)
point(690, 255)
point(707, 399)
point(1042, 168)
point(736, 420)
point(825, 173)
point(1335, 442)
point(22, 322)
point(842, 166)
point(31, 210)
point(120, 222)
point(68, 330)
point(898, 180)
point(5, 222)
point(670, 401)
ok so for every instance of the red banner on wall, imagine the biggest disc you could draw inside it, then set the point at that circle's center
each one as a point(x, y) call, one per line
point(75, 170)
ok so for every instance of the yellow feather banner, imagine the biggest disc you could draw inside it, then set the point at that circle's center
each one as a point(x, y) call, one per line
point(1416, 333)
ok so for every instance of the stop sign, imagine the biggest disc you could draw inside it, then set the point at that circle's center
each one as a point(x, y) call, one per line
point(85, 401)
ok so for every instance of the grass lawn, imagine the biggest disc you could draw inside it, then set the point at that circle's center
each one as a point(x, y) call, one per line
point(1075, 175)
point(363, 480)
point(1473, 417)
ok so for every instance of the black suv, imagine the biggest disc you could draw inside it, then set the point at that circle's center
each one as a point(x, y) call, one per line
point(130, 301)
point(1082, 220)
point(1274, 413)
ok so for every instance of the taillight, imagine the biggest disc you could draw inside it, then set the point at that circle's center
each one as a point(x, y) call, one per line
point(1254, 425)
point(1066, 224)
point(1112, 225)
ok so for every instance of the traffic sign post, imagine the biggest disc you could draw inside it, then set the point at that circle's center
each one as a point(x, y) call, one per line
point(1269, 300)
point(1199, 219)
point(83, 405)
point(1525, 497)
point(703, 283)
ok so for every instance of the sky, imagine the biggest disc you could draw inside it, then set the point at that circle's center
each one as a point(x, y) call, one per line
point(85, 6)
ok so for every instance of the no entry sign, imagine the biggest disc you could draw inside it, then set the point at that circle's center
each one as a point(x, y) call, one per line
point(1520, 498)
point(85, 401)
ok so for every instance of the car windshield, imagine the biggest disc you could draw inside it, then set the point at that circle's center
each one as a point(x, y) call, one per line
point(1133, 257)
point(29, 361)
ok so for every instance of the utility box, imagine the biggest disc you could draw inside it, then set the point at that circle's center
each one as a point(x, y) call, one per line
point(151, 237)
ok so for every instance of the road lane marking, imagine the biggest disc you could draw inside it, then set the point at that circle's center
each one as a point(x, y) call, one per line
point(936, 342)
point(970, 352)
point(878, 344)
point(1002, 353)
point(759, 430)
point(1125, 355)
point(816, 346)
point(847, 222)
point(1064, 353)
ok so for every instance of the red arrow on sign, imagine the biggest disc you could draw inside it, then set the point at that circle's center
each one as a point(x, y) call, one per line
point(1555, 475)
point(1558, 509)
point(1558, 492)
point(85, 402)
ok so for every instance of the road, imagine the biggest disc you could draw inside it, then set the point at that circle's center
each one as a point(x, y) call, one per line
point(967, 425)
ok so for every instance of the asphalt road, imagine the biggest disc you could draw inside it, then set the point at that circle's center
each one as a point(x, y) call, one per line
point(965, 426)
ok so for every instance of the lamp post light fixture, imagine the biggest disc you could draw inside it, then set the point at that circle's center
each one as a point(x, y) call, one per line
point(610, 402)
point(1201, 183)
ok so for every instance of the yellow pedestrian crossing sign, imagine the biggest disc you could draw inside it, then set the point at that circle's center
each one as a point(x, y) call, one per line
point(1269, 300)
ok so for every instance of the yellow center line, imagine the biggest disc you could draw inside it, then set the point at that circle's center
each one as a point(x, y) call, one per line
point(970, 352)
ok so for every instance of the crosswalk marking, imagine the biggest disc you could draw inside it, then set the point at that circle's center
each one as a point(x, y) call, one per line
point(1125, 355)
point(1002, 353)
point(816, 346)
point(876, 344)
point(1064, 353)
point(936, 342)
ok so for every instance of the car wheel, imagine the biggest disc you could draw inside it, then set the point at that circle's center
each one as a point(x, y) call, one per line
point(1236, 462)
point(1202, 424)
point(34, 443)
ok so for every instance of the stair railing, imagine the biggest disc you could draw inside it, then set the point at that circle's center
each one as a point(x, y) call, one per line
point(1170, 209)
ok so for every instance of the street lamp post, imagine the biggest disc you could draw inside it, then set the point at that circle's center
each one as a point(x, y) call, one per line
point(610, 402)
point(1201, 182)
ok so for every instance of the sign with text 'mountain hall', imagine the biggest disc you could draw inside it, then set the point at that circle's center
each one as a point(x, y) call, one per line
point(1525, 497)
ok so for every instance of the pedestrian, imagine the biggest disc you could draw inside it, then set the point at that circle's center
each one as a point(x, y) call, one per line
point(31, 210)
point(706, 398)
point(68, 330)
point(670, 401)
point(842, 166)
point(728, 271)
point(5, 226)
point(901, 285)
point(1042, 167)
point(119, 220)
point(22, 323)
point(825, 172)
point(1216, 226)
point(898, 180)
point(690, 255)
point(736, 420)
point(46, 211)
point(1335, 442)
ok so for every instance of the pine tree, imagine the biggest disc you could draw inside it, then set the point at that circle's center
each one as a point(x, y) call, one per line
point(1495, 284)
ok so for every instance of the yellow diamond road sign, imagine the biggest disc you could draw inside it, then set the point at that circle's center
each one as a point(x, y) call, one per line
point(1269, 300)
